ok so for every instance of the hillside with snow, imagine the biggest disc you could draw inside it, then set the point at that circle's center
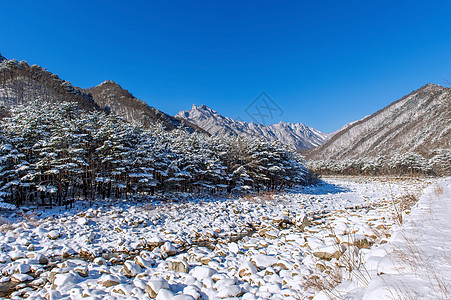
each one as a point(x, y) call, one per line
point(22, 83)
point(297, 136)
point(112, 97)
point(417, 123)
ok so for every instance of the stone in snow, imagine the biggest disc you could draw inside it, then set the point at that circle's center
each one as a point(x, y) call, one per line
point(82, 221)
point(247, 269)
point(15, 255)
point(178, 266)
point(53, 295)
point(99, 261)
point(202, 272)
point(155, 285)
point(53, 235)
point(108, 281)
point(21, 277)
point(63, 280)
point(302, 221)
point(165, 295)
point(130, 269)
point(329, 252)
point(22, 268)
point(229, 291)
point(82, 270)
point(263, 261)
point(233, 247)
point(169, 249)
point(183, 297)
point(192, 291)
point(144, 263)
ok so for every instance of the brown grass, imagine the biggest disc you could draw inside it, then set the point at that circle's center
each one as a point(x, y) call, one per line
point(31, 218)
point(401, 205)
point(263, 196)
point(438, 190)
point(5, 225)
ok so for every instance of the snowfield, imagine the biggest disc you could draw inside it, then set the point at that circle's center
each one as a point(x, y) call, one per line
point(273, 246)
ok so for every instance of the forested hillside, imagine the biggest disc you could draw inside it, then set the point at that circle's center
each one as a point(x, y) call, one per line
point(410, 136)
point(112, 97)
point(54, 154)
point(21, 83)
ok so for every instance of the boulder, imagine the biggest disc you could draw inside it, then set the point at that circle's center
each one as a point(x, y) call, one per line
point(329, 252)
point(178, 266)
point(154, 286)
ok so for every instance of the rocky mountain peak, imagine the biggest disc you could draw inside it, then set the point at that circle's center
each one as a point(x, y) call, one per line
point(297, 136)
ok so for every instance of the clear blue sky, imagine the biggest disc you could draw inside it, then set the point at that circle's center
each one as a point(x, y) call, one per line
point(324, 63)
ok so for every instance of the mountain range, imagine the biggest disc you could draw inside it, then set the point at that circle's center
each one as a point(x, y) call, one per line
point(419, 122)
point(297, 136)
point(21, 82)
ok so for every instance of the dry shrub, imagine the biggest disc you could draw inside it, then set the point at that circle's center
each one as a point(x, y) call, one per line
point(148, 207)
point(438, 190)
point(326, 282)
point(5, 225)
point(403, 204)
point(30, 217)
point(262, 196)
point(349, 265)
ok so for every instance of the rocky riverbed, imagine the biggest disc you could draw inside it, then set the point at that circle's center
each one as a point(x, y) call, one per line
point(272, 246)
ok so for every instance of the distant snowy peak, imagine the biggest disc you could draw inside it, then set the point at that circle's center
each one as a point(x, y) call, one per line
point(297, 136)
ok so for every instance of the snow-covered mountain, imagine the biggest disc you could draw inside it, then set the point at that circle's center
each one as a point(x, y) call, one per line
point(297, 136)
point(419, 122)
point(112, 97)
point(21, 83)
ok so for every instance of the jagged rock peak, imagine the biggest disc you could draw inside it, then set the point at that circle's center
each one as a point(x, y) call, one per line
point(2, 58)
point(297, 136)
point(108, 82)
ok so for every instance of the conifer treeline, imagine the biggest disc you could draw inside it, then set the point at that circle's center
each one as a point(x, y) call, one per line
point(55, 153)
point(412, 164)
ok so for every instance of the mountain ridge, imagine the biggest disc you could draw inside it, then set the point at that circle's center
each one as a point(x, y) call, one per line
point(21, 83)
point(295, 135)
point(419, 122)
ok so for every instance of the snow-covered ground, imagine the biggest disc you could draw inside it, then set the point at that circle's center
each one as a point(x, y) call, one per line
point(279, 246)
point(416, 263)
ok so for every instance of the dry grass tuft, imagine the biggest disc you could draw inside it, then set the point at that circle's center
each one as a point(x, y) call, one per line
point(401, 205)
point(148, 207)
point(259, 197)
point(438, 190)
point(30, 217)
point(5, 225)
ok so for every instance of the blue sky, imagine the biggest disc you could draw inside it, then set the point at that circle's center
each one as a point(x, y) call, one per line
point(324, 63)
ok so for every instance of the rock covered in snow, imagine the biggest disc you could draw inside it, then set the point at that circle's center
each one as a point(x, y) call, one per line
point(154, 286)
point(178, 266)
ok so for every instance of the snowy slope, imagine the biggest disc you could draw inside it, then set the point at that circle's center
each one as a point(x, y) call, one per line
point(415, 263)
point(419, 122)
point(298, 136)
